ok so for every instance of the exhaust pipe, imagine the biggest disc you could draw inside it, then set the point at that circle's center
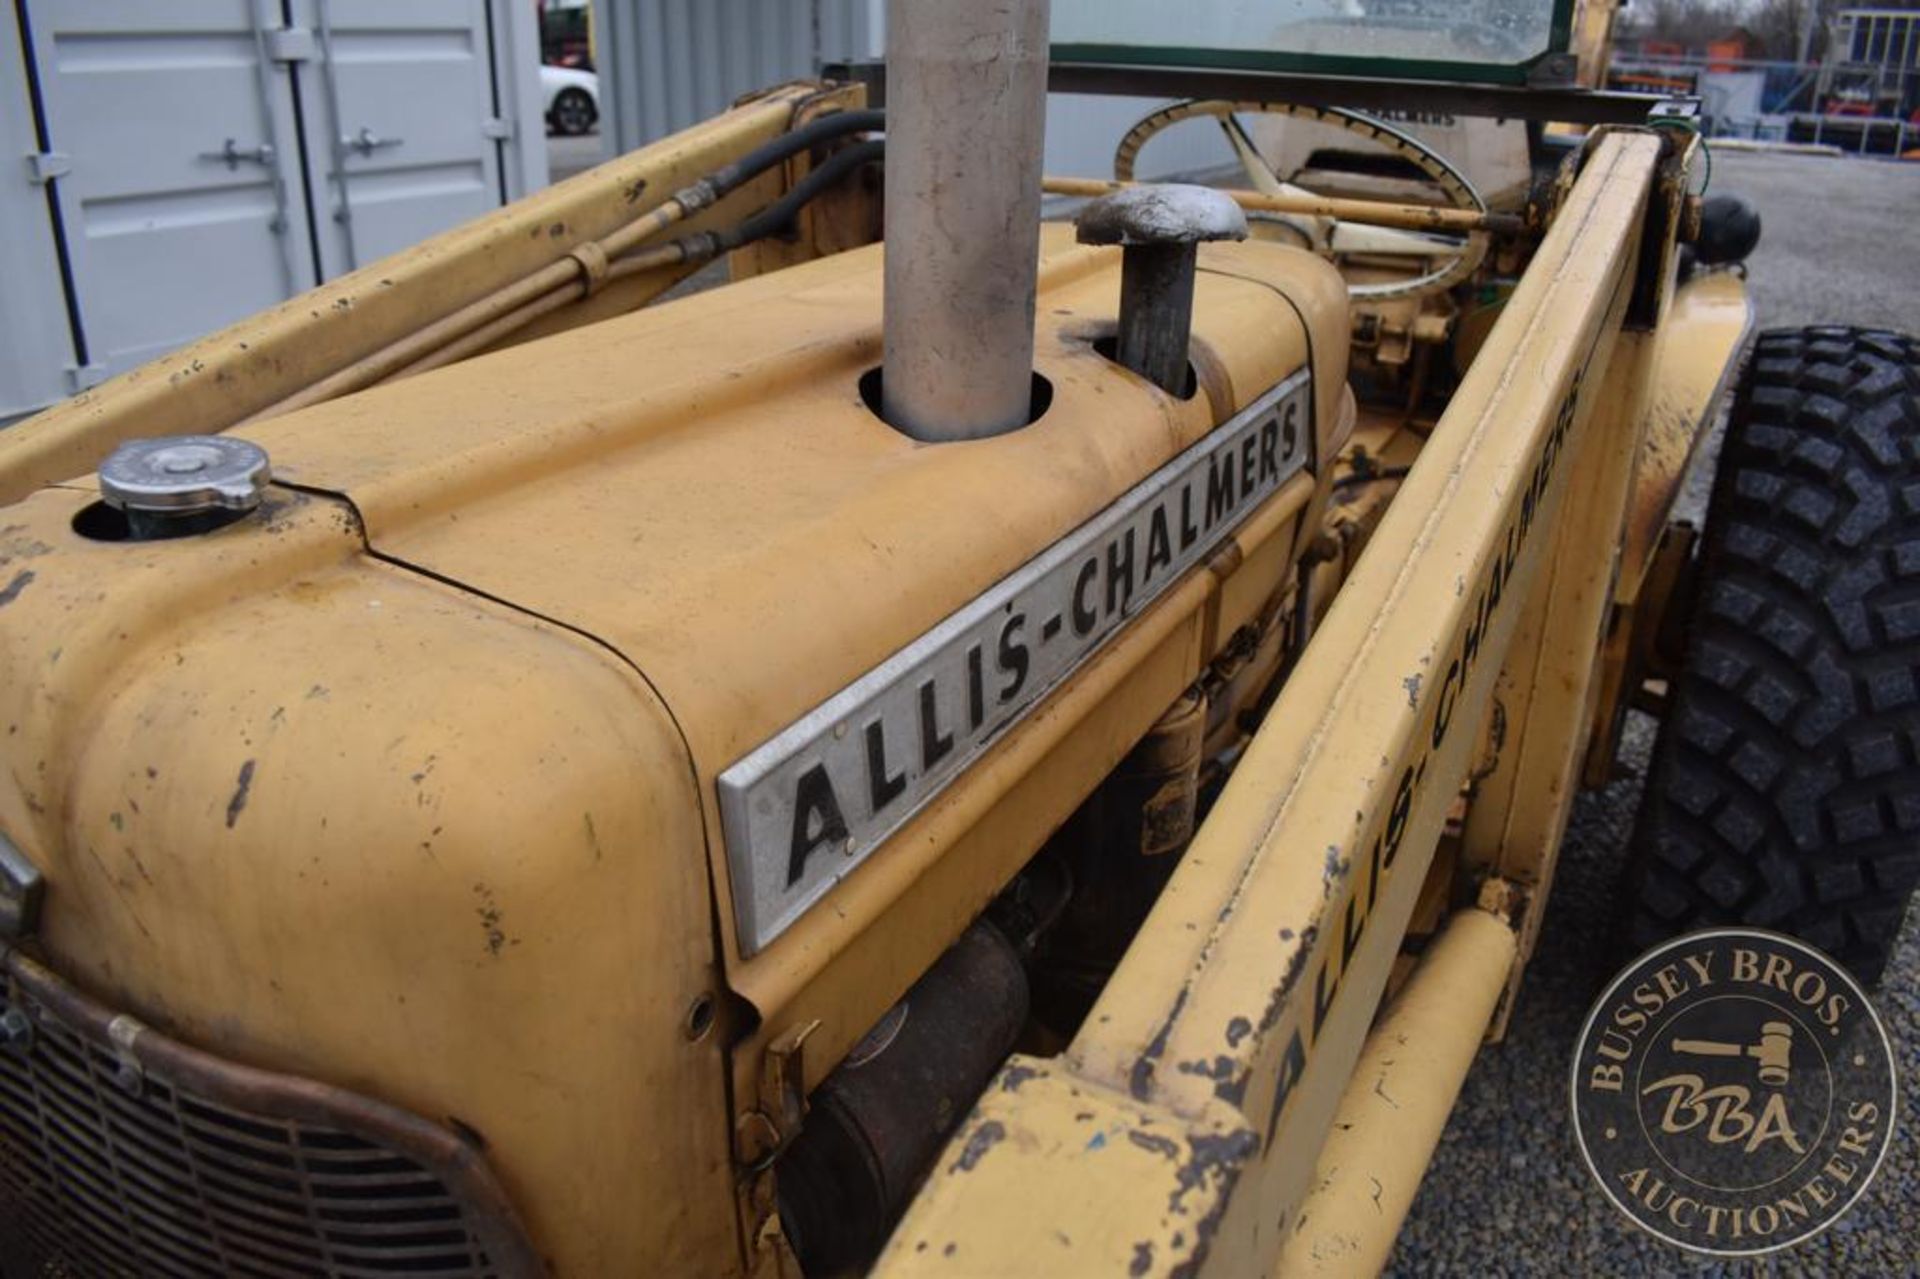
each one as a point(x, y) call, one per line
point(966, 107)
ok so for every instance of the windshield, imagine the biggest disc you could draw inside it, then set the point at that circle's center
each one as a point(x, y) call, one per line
point(1284, 33)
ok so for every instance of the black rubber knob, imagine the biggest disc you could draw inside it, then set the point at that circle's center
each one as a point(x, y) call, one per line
point(1729, 230)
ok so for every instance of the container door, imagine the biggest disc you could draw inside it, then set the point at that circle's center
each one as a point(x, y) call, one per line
point(42, 351)
point(181, 203)
point(406, 130)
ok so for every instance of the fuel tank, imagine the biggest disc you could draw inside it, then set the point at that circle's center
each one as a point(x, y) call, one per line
point(573, 722)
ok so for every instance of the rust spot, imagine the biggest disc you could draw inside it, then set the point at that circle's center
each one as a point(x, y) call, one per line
point(984, 1138)
point(489, 912)
point(11, 591)
point(1336, 865)
point(1214, 1158)
point(240, 790)
point(1228, 1084)
point(1163, 1146)
point(1140, 1078)
point(1278, 999)
point(1015, 1075)
point(635, 189)
point(1142, 1260)
point(1412, 684)
point(30, 548)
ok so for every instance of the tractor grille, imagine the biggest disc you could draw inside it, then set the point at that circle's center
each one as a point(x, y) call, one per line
point(124, 1153)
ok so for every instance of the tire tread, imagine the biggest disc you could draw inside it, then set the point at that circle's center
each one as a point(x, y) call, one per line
point(1784, 790)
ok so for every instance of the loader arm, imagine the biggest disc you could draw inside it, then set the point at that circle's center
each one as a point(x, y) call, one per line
point(1175, 1133)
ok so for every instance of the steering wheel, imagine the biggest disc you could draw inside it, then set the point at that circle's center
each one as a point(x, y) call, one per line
point(1450, 258)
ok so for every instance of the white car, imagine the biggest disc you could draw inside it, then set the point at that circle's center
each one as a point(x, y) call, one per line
point(573, 99)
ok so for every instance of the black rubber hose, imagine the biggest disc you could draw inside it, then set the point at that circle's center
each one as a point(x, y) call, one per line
point(779, 215)
point(1361, 478)
point(704, 246)
point(751, 165)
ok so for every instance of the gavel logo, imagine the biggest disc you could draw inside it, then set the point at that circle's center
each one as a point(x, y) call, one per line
point(1773, 1052)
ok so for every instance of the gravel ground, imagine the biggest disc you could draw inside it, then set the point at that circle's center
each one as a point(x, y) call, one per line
point(1507, 1193)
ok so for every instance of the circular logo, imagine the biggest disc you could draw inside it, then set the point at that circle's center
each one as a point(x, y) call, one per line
point(1733, 1091)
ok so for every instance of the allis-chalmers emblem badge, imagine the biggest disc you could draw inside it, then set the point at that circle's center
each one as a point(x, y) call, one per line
point(1733, 1091)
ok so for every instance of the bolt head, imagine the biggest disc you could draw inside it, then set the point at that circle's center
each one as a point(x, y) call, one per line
point(16, 1032)
point(1164, 213)
point(185, 475)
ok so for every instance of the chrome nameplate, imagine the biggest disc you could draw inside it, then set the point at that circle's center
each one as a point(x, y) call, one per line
point(817, 798)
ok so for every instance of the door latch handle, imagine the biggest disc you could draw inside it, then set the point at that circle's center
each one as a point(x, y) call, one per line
point(233, 153)
point(366, 142)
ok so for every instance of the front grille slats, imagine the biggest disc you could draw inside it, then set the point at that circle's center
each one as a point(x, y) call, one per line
point(162, 1181)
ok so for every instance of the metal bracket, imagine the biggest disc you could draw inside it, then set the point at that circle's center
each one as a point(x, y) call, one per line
point(44, 166)
point(84, 377)
point(1676, 108)
point(496, 128)
point(765, 1131)
point(21, 889)
point(1554, 71)
point(17, 1032)
point(290, 44)
point(131, 1076)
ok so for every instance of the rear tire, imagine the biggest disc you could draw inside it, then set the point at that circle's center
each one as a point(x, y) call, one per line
point(1785, 785)
point(573, 113)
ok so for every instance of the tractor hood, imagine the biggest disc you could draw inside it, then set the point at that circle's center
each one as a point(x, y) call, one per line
point(412, 781)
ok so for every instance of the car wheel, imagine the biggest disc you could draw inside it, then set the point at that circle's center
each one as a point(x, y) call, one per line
point(1785, 786)
point(572, 113)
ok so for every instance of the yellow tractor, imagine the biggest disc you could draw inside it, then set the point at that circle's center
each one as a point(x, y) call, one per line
point(984, 745)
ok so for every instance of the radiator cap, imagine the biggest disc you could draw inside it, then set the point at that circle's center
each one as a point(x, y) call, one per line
point(183, 475)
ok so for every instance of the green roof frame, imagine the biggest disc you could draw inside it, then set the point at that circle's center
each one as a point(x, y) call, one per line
point(1550, 66)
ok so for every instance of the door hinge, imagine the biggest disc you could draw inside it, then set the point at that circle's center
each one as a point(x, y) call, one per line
point(290, 44)
point(496, 128)
point(44, 166)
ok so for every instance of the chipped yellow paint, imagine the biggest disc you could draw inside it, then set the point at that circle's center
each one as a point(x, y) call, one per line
point(434, 741)
point(1135, 1184)
point(1256, 976)
point(1396, 1104)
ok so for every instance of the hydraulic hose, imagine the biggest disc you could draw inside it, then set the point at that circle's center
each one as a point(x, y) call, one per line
point(485, 320)
point(700, 247)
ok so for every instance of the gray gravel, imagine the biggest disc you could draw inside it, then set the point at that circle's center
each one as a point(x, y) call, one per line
point(1507, 1193)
